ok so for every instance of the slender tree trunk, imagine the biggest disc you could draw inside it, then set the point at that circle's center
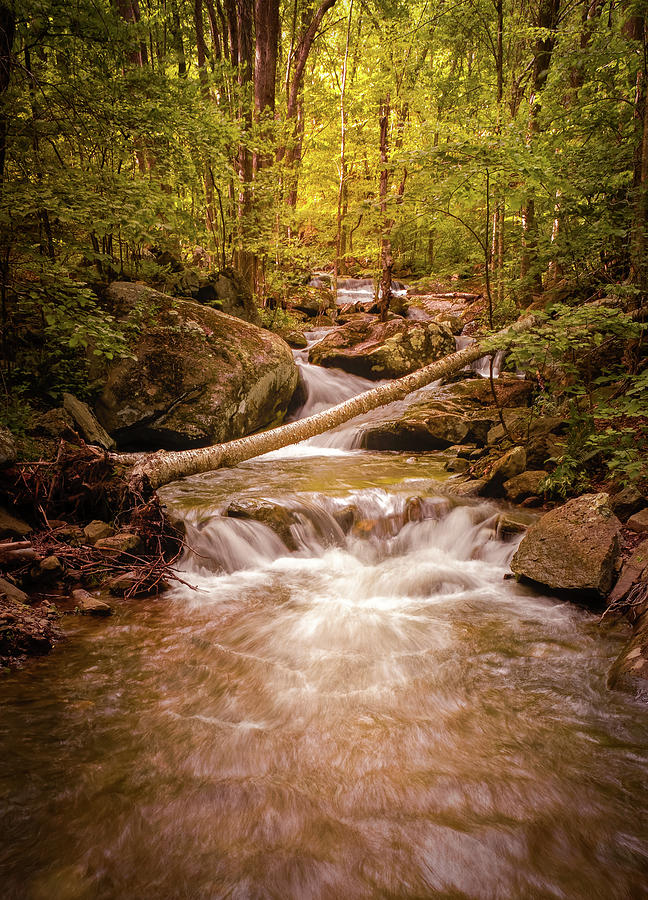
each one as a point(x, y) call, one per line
point(547, 20)
point(7, 33)
point(639, 265)
point(161, 468)
point(343, 165)
point(386, 258)
point(292, 155)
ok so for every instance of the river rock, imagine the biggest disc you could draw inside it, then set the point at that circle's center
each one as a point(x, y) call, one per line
point(639, 521)
point(573, 547)
point(294, 339)
point(508, 466)
point(275, 516)
point(7, 448)
point(419, 428)
point(88, 425)
point(7, 589)
point(526, 484)
point(89, 605)
point(374, 349)
point(313, 301)
point(11, 526)
point(198, 376)
point(50, 567)
point(97, 530)
point(123, 542)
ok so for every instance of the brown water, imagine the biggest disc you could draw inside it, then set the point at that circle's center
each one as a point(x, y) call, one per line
point(372, 716)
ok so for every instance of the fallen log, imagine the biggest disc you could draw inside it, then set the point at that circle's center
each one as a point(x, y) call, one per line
point(155, 470)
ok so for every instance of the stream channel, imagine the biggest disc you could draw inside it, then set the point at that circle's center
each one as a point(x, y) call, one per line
point(375, 713)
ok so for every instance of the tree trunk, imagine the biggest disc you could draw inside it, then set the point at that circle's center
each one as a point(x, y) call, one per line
point(292, 155)
point(161, 468)
point(547, 20)
point(386, 258)
point(7, 32)
point(343, 165)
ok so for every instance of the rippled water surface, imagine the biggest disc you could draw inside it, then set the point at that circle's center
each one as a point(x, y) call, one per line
point(372, 714)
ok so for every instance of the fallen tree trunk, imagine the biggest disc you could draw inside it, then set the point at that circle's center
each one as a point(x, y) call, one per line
point(160, 468)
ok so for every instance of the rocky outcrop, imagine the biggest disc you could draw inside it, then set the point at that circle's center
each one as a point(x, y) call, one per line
point(420, 428)
point(376, 350)
point(630, 600)
point(461, 413)
point(572, 548)
point(312, 301)
point(197, 376)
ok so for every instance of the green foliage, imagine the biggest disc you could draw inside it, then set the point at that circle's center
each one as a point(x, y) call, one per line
point(278, 319)
point(576, 354)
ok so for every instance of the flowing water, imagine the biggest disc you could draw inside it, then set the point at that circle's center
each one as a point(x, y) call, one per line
point(365, 709)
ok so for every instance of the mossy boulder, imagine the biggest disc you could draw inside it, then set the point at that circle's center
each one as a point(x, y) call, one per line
point(197, 376)
point(376, 350)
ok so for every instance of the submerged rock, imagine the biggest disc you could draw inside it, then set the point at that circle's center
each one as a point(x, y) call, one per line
point(374, 349)
point(573, 547)
point(198, 376)
point(89, 605)
point(275, 516)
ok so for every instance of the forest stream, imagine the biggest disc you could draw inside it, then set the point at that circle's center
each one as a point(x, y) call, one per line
point(376, 712)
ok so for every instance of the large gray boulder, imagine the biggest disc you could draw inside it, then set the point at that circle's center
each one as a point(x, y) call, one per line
point(197, 376)
point(365, 346)
point(573, 548)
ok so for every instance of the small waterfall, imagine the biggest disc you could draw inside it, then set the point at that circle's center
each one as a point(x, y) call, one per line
point(481, 366)
point(368, 525)
point(354, 290)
